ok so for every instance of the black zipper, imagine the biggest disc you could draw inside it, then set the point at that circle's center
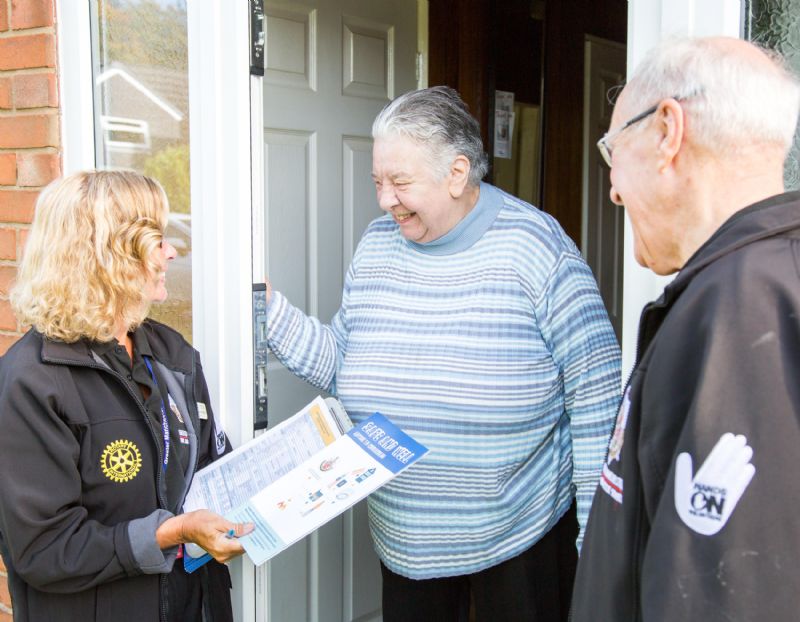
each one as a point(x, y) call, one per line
point(191, 405)
point(164, 593)
point(645, 333)
point(188, 390)
point(639, 339)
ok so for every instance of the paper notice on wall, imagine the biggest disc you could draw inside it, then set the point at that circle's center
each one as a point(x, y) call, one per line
point(503, 123)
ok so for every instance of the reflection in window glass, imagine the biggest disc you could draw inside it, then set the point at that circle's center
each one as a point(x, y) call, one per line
point(775, 24)
point(141, 96)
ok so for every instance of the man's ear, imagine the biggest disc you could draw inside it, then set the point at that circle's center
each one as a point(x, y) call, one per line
point(670, 120)
point(458, 176)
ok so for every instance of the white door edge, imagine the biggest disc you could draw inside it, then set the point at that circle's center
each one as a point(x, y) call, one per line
point(649, 21)
point(221, 175)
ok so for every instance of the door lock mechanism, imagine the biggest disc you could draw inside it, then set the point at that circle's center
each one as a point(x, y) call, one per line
point(260, 419)
point(257, 37)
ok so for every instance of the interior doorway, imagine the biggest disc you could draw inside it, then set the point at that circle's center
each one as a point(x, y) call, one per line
point(536, 49)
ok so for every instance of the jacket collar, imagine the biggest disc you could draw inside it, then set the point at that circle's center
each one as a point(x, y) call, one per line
point(770, 217)
point(773, 216)
point(163, 343)
point(77, 353)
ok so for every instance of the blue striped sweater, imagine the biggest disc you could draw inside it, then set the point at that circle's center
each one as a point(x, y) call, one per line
point(492, 347)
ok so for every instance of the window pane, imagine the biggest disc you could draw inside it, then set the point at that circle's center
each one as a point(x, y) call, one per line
point(141, 93)
point(775, 24)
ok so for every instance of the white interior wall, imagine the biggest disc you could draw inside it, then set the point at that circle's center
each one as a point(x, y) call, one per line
point(649, 21)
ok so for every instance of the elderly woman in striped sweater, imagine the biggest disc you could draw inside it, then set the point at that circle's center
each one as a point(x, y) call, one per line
point(468, 318)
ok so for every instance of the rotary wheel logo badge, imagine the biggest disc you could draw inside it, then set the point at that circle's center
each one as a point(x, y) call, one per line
point(121, 461)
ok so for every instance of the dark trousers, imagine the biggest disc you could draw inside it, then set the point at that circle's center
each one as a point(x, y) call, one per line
point(534, 586)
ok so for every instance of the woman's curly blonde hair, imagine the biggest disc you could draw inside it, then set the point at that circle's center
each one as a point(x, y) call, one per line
point(90, 254)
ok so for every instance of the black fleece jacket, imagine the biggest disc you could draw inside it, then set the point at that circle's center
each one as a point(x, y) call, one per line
point(674, 534)
point(82, 489)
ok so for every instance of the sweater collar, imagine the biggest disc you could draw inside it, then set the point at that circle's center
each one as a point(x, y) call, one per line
point(470, 229)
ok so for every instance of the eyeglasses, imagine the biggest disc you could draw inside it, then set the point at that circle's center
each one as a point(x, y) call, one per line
point(604, 144)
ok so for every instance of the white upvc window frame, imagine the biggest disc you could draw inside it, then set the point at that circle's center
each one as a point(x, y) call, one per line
point(221, 173)
point(76, 97)
point(219, 87)
point(221, 192)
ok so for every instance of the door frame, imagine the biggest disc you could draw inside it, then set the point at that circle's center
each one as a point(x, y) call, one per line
point(650, 21)
point(222, 174)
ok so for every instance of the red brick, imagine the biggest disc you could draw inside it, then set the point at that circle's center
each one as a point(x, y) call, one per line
point(2, 566)
point(8, 168)
point(22, 238)
point(27, 51)
point(6, 617)
point(17, 205)
point(31, 13)
point(8, 321)
point(6, 88)
point(32, 130)
point(5, 597)
point(36, 90)
point(8, 244)
point(7, 276)
point(37, 169)
point(3, 16)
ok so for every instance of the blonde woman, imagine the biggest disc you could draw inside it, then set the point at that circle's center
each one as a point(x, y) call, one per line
point(105, 417)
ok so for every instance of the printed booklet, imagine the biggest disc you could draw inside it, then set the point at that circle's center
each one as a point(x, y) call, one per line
point(295, 477)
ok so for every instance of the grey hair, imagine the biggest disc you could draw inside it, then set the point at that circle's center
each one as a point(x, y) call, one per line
point(438, 119)
point(732, 99)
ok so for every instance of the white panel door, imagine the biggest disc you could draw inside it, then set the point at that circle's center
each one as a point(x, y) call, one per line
point(330, 66)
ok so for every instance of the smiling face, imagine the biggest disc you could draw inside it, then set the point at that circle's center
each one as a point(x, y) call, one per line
point(156, 287)
point(420, 201)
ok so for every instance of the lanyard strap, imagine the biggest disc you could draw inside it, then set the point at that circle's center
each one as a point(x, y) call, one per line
point(164, 419)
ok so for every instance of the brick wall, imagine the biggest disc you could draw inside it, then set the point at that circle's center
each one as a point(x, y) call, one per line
point(29, 147)
point(29, 132)
point(5, 597)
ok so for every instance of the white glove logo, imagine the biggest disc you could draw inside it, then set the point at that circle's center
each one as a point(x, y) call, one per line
point(706, 501)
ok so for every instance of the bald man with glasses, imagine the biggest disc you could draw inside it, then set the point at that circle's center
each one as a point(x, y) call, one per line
point(695, 513)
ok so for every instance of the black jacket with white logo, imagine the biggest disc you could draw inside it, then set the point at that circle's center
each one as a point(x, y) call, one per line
point(82, 489)
point(718, 355)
